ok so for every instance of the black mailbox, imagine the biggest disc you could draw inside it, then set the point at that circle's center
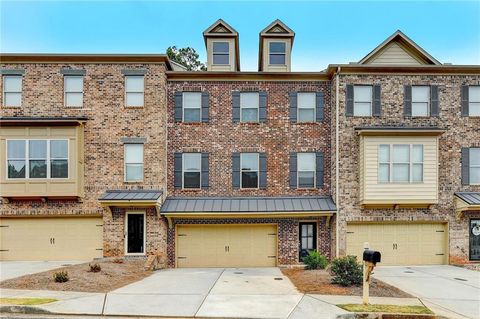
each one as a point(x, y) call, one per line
point(372, 256)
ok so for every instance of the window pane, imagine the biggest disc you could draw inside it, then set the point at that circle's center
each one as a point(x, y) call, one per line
point(417, 156)
point(362, 93)
point(474, 109)
point(58, 149)
point(249, 179)
point(277, 59)
point(474, 94)
point(384, 173)
point(59, 169)
point(401, 153)
point(421, 94)
point(277, 47)
point(191, 115)
point(306, 179)
point(13, 99)
point(400, 173)
point(384, 153)
point(133, 153)
point(192, 100)
point(134, 83)
point(134, 99)
point(306, 161)
point(16, 149)
point(220, 59)
point(134, 172)
point(420, 109)
point(310, 243)
point(37, 149)
point(74, 84)
point(475, 156)
point(474, 175)
point(249, 115)
point(310, 230)
point(12, 84)
point(306, 100)
point(192, 161)
point(249, 100)
point(38, 169)
point(249, 161)
point(220, 47)
point(306, 115)
point(362, 109)
point(73, 99)
point(304, 243)
point(16, 169)
point(417, 172)
point(191, 180)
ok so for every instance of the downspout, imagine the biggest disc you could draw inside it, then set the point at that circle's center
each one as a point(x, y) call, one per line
point(337, 154)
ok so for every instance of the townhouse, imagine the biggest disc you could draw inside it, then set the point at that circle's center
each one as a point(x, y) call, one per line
point(131, 155)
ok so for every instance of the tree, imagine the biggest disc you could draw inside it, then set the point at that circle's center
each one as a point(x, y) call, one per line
point(187, 57)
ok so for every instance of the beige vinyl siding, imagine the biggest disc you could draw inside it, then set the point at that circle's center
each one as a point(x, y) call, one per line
point(374, 192)
point(361, 164)
point(231, 55)
point(394, 54)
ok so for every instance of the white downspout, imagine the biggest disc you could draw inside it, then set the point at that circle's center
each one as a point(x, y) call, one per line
point(337, 154)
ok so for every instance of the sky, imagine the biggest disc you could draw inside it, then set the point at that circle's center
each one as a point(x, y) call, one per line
point(326, 32)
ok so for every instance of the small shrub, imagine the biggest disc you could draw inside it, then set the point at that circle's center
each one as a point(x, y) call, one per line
point(315, 260)
point(95, 267)
point(346, 271)
point(61, 276)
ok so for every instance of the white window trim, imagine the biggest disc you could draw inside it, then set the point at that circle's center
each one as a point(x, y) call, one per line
point(27, 159)
point(184, 171)
point(125, 164)
point(250, 108)
point(371, 100)
point(257, 171)
point(475, 102)
point(314, 172)
point(307, 108)
point(284, 53)
point(65, 90)
point(199, 107)
point(220, 53)
point(472, 166)
point(126, 92)
point(410, 165)
point(144, 233)
point(428, 100)
point(5, 92)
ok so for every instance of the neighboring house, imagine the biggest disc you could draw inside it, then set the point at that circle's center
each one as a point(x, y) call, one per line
point(114, 155)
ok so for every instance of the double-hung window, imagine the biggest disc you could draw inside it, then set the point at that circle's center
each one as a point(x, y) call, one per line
point(221, 52)
point(362, 105)
point(474, 165)
point(249, 103)
point(192, 168)
point(249, 163)
point(420, 101)
point(277, 51)
point(134, 90)
point(400, 163)
point(133, 162)
point(306, 168)
point(192, 105)
point(73, 87)
point(12, 90)
point(474, 100)
point(306, 107)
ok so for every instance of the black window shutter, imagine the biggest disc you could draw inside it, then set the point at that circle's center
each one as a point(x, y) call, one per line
point(434, 103)
point(205, 101)
point(293, 106)
point(407, 100)
point(262, 106)
point(177, 170)
point(464, 94)
point(178, 108)
point(377, 100)
point(319, 105)
point(349, 109)
point(320, 167)
point(262, 180)
point(205, 170)
point(293, 170)
point(236, 106)
point(236, 170)
point(465, 166)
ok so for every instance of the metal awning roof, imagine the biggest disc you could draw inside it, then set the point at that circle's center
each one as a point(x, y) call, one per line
point(471, 198)
point(130, 195)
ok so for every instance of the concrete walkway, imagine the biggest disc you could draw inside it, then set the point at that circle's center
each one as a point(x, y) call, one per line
point(13, 269)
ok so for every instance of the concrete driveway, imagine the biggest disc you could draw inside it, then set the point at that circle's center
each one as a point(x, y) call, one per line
point(12, 269)
point(448, 290)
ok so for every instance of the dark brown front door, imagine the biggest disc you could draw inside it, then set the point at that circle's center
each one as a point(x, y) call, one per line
point(307, 238)
point(135, 233)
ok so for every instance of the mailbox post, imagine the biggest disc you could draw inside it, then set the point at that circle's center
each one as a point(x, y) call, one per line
point(370, 259)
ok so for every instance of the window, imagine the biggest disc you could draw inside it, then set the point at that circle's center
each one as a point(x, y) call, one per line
point(306, 170)
point(73, 86)
point(277, 53)
point(221, 52)
point(192, 167)
point(400, 163)
point(474, 100)
point(192, 104)
point(362, 100)
point(474, 165)
point(12, 90)
point(249, 107)
point(420, 101)
point(37, 158)
point(306, 107)
point(133, 162)
point(134, 90)
point(249, 170)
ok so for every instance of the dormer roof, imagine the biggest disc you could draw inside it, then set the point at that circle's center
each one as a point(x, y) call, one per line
point(221, 29)
point(399, 49)
point(276, 29)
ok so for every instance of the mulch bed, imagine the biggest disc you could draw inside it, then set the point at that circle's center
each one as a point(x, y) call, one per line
point(319, 282)
point(112, 276)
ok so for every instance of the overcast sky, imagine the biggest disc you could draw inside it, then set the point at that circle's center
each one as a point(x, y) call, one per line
point(326, 32)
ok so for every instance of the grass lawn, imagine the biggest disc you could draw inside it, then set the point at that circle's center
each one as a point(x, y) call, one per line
point(387, 309)
point(25, 301)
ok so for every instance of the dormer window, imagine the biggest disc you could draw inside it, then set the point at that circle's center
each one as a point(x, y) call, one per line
point(221, 53)
point(277, 51)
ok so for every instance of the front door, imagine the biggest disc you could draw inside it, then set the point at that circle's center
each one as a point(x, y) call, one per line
point(474, 239)
point(308, 238)
point(135, 233)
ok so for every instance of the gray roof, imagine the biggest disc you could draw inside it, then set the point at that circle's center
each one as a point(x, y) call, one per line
point(471, 198)
point(123, 195)
point(248, 204)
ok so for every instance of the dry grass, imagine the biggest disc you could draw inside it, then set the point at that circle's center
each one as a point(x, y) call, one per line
point(25, 301)
point(387, 309)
